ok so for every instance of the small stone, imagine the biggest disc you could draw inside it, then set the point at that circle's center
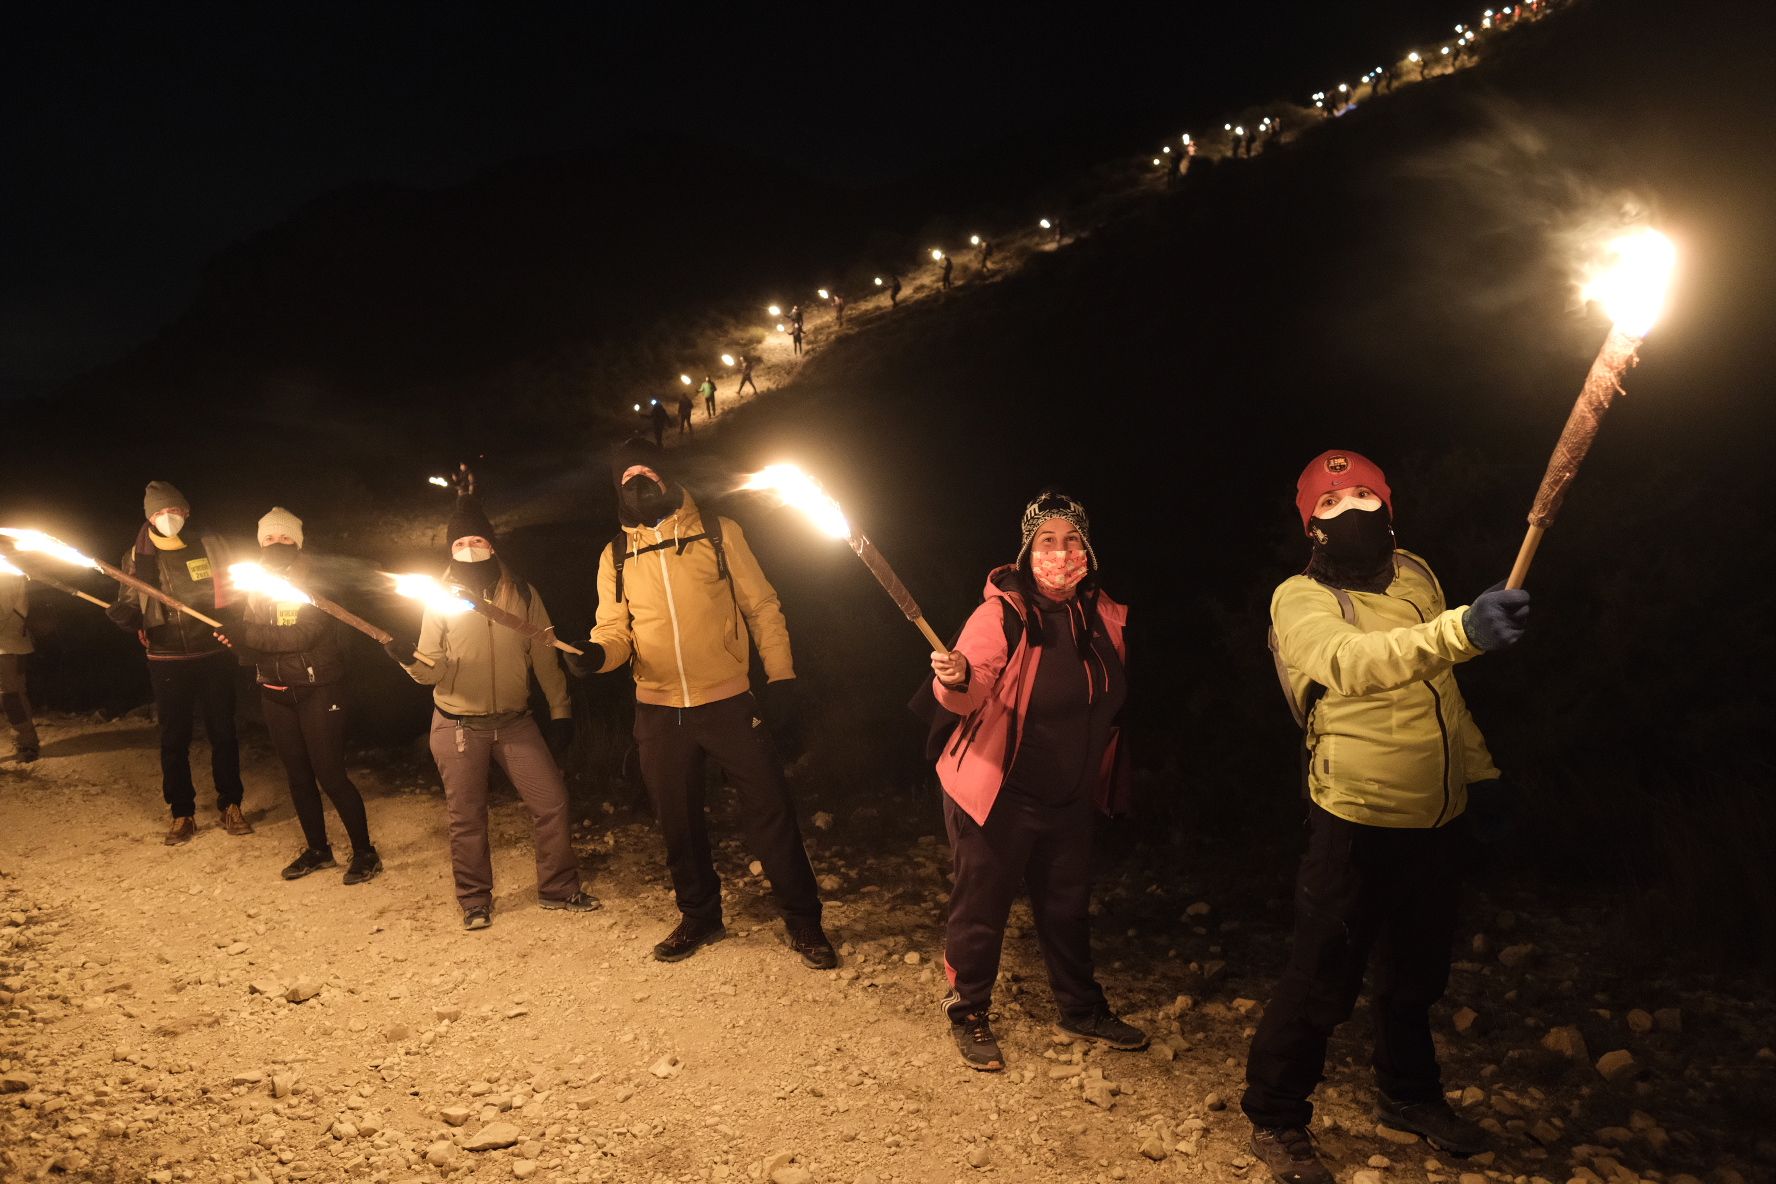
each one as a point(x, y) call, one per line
point(1668, 1019)
point(1511, 957)
point(1472, 1178)
point(455, 1115)
point(1245, 1007)
point(1380, 1161)
point(265, 986)
point(1215, 1102)
point(451, 1014)
point(16, 1082)
point(440, 1154)
point(523, 1169)
point(792, 1173)
point(238, 948)
point(1201, 908)
point(912, 958)
point(1616, 1065)
point(282, 1084)
point(1100, 1093)
point(302, 990)
point(979, 1156)
point(1464, 1020)
point(1567, 1041)
point(492, 1137)
point(822, 820)
point(1154, 1148)
point(344, 1130)
point(1640, 1021)
point(249, 1077)
point(666, 1066)
point(756, 868)
point(1365, 1176)
point(1403, 1138)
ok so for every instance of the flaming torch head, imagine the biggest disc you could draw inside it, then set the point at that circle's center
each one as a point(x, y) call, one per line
point(42, 544)
point(794, 488)
point(1632, 285)
point(434, 596)
point(440, 482)
point(255, 580)
point(727, 359)
point(7, 568)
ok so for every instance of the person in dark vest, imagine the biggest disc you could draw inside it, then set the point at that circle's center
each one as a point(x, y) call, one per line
point(745, 378)
point(480, 675)
point(1037, 681)
point(894, 291)
point(188, 668)
point(299, 659)
point(685, 407)
point(680, 597)
point(1367, 649)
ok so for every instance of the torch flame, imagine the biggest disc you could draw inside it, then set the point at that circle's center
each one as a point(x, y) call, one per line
point(796, 489)
point(42, 544)
point(251, 577)
point(824, 294)
point(727, 359)
point(1633, 285)
point(7, 568)
point(429, 592)
point(440, 482)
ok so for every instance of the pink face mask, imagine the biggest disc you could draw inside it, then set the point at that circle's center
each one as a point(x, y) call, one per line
point(1058, 572)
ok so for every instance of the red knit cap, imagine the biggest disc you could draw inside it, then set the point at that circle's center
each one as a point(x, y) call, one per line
point(1339, 469)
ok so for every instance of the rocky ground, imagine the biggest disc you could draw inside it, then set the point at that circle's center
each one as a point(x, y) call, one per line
point(183, 1014)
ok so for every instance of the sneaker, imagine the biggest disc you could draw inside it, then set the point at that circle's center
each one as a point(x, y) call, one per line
point(1288, 1151)
point(312, 859)
point(181, 831)
point(974, 1037)
point(579, 902)
point(1103, 1028)
point(478, 918)
point(364, 865)
point(1441, 1127)
point(234, 822)
point(808, 939)
point(687, 937)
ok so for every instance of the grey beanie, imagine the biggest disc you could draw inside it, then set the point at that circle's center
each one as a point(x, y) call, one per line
point(163, 495)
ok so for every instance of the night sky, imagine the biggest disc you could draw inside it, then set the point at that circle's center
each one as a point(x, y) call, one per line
point(143, 139)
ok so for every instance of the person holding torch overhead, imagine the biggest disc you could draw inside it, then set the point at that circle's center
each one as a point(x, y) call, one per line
point(1366, 649)
point(188, 667)
point(1038, 682)
point(296, 653)
point(680, 597)
point(480, 676)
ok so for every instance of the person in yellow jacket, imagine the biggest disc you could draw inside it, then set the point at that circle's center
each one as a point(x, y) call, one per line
point(1367, 648)
point(680, 600)
point(480, 676)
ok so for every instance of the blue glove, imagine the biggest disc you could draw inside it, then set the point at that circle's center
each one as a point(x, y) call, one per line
point(1497, 617)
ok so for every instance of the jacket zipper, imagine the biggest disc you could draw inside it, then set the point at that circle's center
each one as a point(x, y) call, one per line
point(1442, 730)
point(684, 684)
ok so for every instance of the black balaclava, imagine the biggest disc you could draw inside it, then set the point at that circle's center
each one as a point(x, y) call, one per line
point(468, 520)
point(279, 556)
point(641, 501)
point(1354, 550)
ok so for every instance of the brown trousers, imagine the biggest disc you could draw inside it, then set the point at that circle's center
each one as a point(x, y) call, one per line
point(463, 755)
point(15, 705)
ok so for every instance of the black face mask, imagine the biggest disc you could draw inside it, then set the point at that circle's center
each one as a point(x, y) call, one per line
point(641, 501)
point(480, 577)
point(1355, 537)
point(279, 556)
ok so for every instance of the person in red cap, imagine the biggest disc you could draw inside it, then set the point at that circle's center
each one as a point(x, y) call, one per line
point(1366, 648)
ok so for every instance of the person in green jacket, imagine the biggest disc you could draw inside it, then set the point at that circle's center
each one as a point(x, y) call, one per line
point(1367, 648)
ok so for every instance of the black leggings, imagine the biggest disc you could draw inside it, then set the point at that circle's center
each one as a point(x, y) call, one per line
point(307, 726)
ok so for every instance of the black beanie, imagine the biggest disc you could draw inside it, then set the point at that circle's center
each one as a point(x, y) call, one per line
point(638, 451)
point(467, 519)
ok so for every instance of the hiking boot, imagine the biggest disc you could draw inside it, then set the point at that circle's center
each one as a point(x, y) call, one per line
point(973, 1032)
point(579, 902)
point(479, 917)
point(1441, 1127)
point(1103, 1028)
point(1288, 1151)
point(181, 831)
point(687, 937)
point(808, 939)
point(312, 859)
point(364, 865)
point(234, 822)
point(26, 755)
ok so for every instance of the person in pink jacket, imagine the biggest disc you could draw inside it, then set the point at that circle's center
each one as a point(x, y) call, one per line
point(1037, 681)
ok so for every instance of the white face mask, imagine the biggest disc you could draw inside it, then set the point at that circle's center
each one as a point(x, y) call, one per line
point(168, 523)
point(471, 554)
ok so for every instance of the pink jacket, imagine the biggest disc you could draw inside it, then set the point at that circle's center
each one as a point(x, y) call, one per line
point(992, 705)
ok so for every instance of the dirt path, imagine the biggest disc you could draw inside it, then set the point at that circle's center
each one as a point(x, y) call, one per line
point(147, 1034)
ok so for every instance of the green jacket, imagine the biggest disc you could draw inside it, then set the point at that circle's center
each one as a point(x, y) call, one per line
point(1391, 740)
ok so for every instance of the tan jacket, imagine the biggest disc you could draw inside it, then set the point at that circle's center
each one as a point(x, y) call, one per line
point(1392, 741)
point(483, 668)
point(686, 630)
point(13, 593)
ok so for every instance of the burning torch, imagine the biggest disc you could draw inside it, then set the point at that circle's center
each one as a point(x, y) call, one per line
point(795, 488)
point(253, 578)
point(1632, 291)
point(453, 600)
point(37, 542)
point(7, 568)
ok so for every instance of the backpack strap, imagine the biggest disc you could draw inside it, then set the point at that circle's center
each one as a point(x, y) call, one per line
point(712, 533)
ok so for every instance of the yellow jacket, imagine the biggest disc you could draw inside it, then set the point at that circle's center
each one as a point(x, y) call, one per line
point(685, 628)
point(483, 668)
point(1391, 739)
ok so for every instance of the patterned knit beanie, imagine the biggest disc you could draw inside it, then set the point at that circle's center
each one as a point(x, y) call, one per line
point(1052, 504)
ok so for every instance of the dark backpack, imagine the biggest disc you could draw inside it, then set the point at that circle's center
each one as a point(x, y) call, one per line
point(940, 721)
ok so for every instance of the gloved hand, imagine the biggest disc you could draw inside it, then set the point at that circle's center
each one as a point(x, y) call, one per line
point(401, 651)
point(1497, 617)
point(560, 736)
point(781, 712)
point(584, 665)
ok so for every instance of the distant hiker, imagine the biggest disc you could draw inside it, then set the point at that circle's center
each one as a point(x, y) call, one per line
point(894, 291)
point(838, 303)
point(680, 596)
point(1384, 81)
point(795, 336)
point(948, 264)
point(795, 317)
point(745, 378)
point(298, 656)
point(15, 646)
point(707, 390)
point(187, 667)
point(986, 255)
point(1038, 681)
point(685, 407)
point(658, 418)
point(1368, 649)
point(480, 678)
point(462, 479)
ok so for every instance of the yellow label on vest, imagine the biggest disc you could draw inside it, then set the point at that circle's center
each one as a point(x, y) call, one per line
point(199, 568)
point(286, 613)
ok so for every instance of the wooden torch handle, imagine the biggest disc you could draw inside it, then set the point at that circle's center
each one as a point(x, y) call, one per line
point(1532, 538)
